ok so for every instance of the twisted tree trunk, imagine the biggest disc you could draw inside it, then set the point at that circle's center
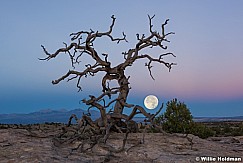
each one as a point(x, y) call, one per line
point(122, 97)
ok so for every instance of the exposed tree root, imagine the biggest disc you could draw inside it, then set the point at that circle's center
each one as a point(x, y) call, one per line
point(87, 134)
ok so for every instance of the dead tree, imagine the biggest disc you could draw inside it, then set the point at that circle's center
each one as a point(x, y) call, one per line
point(82, 43)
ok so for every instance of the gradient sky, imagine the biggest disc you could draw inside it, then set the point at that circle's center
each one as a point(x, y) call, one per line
point(208, 45)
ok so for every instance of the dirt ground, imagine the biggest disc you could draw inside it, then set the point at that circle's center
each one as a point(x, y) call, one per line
point(35, 144)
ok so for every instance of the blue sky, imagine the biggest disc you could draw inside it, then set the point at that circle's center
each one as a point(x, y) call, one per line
point(208, 45)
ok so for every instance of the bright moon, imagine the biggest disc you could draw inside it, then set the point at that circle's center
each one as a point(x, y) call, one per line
point(151, 102)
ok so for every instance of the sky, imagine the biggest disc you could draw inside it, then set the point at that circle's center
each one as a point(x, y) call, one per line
point(207, 43)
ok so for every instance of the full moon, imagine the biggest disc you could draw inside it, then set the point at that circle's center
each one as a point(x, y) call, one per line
point(151, 102)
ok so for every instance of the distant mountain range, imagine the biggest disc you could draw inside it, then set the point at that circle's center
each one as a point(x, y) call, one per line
point(62, 116)
point(218, 119)
point(42, 116)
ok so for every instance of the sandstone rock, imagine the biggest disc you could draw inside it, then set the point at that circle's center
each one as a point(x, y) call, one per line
point(21, 145)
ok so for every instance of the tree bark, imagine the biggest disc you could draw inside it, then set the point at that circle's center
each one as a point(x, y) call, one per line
point(122, 97)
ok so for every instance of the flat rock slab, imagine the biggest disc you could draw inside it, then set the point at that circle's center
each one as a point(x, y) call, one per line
point(20, 145)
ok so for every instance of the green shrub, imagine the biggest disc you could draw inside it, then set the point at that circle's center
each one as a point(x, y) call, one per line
point(217, 130)
point(201, 130)
point(237, 131)
point(227, 129)
point(176, 119)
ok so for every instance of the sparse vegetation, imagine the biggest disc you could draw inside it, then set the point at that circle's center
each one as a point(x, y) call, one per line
point(226, 128)
point(201, 130)
point(178, 119)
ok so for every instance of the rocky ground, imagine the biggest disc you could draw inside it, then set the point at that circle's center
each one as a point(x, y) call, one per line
point(36, 144)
